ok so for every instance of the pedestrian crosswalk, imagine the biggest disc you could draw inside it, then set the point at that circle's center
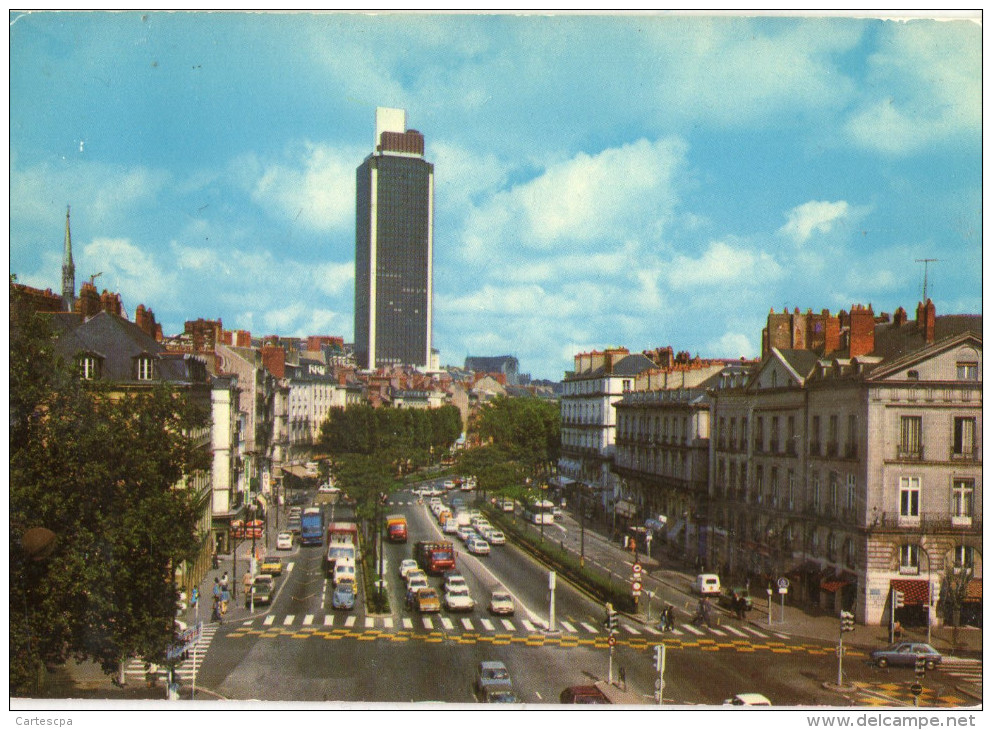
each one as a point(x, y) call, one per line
point(493, 625)
point(185, 669)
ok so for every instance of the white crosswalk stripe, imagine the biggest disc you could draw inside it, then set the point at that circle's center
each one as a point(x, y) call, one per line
point(632, 630)
point(369, 622)
point(568, 627)
point(288, 621)
point(508, 625)
point(588, 627)
point(734, 631)
point(308, 619)
point(268, 620)
point(407, 623)
point(388, 622)
point(329, 619)
point(487, 624)
point(756, 632)
point(652, 631)
point(467, 623)
point(350, 621)
point(528, 625)
point(446, 623)
point(717, 631)
point(290, 565)
point(428, 624)
point(184, 669)
point(784, 637)
point(693, 629)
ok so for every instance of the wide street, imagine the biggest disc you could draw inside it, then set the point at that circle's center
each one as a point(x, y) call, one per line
point(300, 649)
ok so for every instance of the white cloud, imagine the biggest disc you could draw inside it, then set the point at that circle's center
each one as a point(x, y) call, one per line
point(618, 194)
point(129, 270)
point(723, 264)
point(331, 278)
point(732, 344)
point(314, 188)
point(816, 216)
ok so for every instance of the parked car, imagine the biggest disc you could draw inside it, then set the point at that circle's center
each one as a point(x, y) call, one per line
point(501, 603)
point(406, 566)
point(749, 699)
point(583, 694)
point(457, 598)
point(905, 653)
point(344, 596)
point(271, 565)
point(477, 546)
point(284, 541)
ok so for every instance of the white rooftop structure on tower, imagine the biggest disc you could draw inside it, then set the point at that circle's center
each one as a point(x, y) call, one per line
point(388, 120)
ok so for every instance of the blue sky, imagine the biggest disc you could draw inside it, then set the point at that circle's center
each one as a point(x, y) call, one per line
point(615, 180)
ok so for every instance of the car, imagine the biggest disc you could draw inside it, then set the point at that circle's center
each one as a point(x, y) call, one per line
point(498, 694)
point(406, 566)
point(464, 533)
point(492, 675)
point(417, 583)
point(480, 524)
point(707, 584)
point(450, 526)
point(475, 514)
point(261, 590)
point(495, 537)
point(506, 505)
point(271, 565)
point(449, 484)
point(556, 513)
point(295, 511)
point(415, 572)
point(727, 597)
point(501, 603)
point(905, 654)
point(583, 694)
point(284, 541)
point(453, 578)
point(328, 488)
point(344, 596)
point(427, 601)
point(748, 699)
point(344, 570)
point(457, 598)
point(477, 546)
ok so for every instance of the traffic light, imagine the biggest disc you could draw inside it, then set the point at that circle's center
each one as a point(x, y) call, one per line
point(612, 621)
point(846, 621)
point(921, 667)
point(897, 599)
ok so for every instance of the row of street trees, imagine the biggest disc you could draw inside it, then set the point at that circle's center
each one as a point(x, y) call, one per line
point(94, 472)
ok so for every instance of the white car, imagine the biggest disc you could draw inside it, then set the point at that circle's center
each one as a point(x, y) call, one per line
point(417, 583)
point(456, 580)
point(284, 541)
point(448, 484)
point(748, 699)
point(457, 598)
point(450, 526)
point(495, 537)
point(464, 533)
point(501, 603)
point(344, 571)
point(477, 546)
point(406, 566)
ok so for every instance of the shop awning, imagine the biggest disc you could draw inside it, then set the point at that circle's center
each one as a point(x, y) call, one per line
point(974, 593)
point(832, 585)
point(625, 509)
point(914, 592)
point(560, 481)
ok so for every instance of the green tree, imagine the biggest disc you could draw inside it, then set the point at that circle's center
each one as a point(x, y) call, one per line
point(527, 429)
point(100, 470)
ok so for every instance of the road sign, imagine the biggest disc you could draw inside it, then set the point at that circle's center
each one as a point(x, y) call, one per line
point(783, 583)
point(916, 688)
point(783, 591)
point(637, 568)
point(612, 641)
point(636, 586)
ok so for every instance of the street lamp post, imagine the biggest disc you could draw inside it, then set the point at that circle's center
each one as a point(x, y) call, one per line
point(582, 530)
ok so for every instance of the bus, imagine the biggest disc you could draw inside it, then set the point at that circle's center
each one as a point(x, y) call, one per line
point(540, 512)
point(312, 527)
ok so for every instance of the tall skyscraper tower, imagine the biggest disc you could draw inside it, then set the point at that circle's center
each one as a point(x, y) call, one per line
point(68, 271)
point(394, 247)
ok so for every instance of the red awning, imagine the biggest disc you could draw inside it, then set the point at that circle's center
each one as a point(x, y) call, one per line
point(974, 593)
point(914, 592)
point(832, 585)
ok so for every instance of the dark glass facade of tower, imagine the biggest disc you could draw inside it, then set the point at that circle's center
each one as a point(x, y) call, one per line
point(393, 252)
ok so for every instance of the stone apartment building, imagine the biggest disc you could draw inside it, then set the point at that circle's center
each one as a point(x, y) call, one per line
point(849, 461)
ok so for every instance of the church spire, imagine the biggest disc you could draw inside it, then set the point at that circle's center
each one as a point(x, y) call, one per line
point(68, 270)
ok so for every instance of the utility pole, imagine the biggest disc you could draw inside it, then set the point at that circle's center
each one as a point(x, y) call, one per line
point(926, 263)
point(659, 664)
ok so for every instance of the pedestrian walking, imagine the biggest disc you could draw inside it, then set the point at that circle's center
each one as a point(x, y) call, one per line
point(215, 614)
point(224, 582)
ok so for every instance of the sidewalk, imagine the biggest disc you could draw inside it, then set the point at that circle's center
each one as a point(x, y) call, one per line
point(808, 622)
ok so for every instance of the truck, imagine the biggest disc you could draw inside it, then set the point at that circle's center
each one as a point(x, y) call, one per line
point(435, 557)
point(342, 533)
point(396, 528)
point(312, 527)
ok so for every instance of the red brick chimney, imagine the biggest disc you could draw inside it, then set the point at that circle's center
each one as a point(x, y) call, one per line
point(88, 302)
point(861, 336)
point(274, 360)
point(899, 318)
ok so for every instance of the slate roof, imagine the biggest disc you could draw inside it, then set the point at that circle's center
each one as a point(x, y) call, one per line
point(629, 365)
point(892, 341)
point(802, 361)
